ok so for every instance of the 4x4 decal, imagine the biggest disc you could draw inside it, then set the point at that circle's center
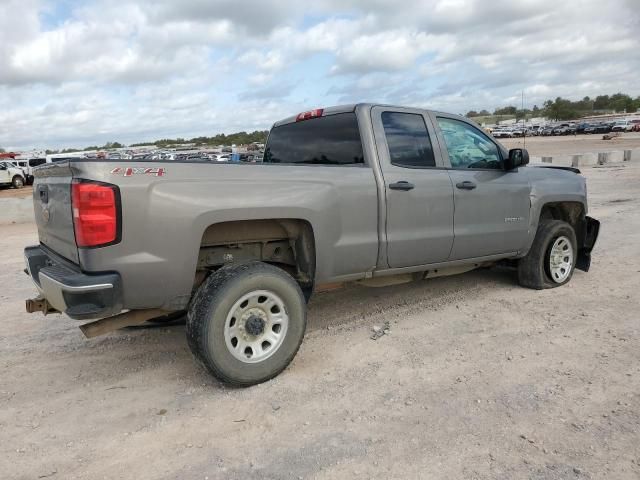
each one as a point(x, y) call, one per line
point(130, 171)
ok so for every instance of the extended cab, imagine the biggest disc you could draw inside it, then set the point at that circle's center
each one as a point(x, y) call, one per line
point(350, 193)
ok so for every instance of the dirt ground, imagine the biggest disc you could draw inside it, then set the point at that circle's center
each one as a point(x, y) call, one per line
point(10, 192)
point(477, 379)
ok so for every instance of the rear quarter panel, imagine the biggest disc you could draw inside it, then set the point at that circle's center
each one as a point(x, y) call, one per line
point(163, 219)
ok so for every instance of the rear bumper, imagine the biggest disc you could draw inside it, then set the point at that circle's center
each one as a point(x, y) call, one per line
point(80, 295)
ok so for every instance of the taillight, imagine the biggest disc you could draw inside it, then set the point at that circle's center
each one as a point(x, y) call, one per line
point(310, 114)
point(95, 213)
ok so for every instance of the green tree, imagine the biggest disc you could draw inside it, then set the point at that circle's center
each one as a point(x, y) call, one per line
point(560, 109)
point(109, 145)
point(620, 102)
point(471, 113)
point(601, 102)
point(510, 110)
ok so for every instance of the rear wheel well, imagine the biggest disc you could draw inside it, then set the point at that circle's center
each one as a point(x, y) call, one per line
point(286, 243)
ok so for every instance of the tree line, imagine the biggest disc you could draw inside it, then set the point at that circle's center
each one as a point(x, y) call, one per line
point(564, 109)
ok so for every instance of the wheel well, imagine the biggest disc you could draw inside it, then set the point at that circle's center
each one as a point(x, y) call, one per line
point(570, 212)
point(286, 243)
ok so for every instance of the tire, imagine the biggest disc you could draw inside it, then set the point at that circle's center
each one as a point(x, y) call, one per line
point(551, 260)
point(17, 182)
point(239, 291)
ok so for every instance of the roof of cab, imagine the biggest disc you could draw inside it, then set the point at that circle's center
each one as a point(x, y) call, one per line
point(351, 108)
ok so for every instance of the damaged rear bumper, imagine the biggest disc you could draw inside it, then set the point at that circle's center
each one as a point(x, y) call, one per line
point(64, 287)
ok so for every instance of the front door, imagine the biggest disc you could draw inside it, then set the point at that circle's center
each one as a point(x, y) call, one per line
point(419, 195)
point(491, 205)
point(4, 173)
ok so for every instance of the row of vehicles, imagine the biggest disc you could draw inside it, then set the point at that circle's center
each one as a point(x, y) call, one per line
point(567, 128)
point(226, 154)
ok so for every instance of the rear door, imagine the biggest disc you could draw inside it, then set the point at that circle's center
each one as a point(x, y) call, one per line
point(52, 208)
point(491, 205)
point(419, 194)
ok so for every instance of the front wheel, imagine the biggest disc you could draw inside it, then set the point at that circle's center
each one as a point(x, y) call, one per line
point(17, 182)
point(247, 322)
point(552, 258)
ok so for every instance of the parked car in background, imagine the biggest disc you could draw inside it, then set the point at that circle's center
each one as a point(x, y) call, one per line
point(12, 175)
point(27, 166)
point(502, 133)
point(546, 131)
point(622, 126)
point(561, 130)
point(580, 128)
point(603, 127)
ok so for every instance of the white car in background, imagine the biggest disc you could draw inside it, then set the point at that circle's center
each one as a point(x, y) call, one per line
point(622, 126)
point(12, 175)
point(27, 166)
point(502, 133)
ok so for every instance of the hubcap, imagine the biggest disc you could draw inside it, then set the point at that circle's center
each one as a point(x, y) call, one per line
point(256, 326)
point(561, 259)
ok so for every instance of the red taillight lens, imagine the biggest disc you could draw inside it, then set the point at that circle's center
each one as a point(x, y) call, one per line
point(310, 114)
point(95, 213)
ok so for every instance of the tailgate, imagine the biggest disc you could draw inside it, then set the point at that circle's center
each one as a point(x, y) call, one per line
point(52, 207)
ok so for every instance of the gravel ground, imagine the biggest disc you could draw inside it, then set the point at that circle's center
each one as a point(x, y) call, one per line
point(477, 379)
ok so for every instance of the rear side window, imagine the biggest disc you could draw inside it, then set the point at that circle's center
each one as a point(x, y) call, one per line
point(330, 140)
point(34, 162)
point(408, 140)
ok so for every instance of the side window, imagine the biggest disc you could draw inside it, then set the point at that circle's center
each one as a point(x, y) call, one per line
point(408, 140)
point(468, 147)
point(34, 162)
point(327, 140)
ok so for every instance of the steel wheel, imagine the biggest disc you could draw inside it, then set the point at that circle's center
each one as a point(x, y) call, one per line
point(256, 326)
point(561, 259)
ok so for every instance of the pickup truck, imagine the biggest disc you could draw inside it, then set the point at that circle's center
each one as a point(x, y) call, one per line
point(349, 193)
point(11, 175)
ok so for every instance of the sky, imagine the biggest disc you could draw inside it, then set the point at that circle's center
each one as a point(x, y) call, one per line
point(76, 73)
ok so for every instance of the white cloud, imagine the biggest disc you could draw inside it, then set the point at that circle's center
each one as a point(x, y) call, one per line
point(138, 69)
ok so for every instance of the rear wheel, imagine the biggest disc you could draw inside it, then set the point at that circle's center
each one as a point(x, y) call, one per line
point(246, 322)
point(17, 182)
point(551, 260)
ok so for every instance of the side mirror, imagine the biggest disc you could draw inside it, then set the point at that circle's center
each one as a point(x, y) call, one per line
point(518, 157)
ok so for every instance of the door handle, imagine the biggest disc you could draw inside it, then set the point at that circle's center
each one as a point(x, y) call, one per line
point(466, 185)
point(402, 185)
